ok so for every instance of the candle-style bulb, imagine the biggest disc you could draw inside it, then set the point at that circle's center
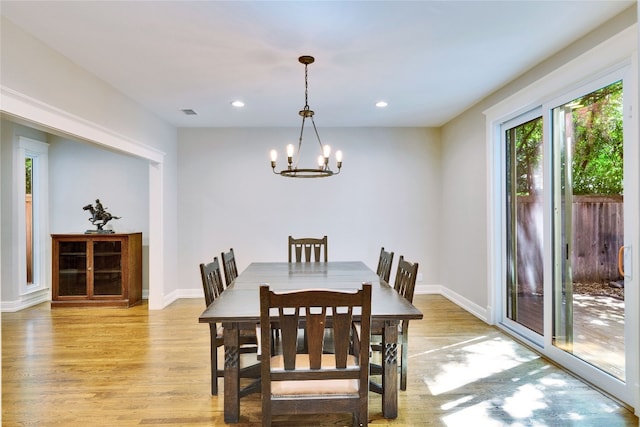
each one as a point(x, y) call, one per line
point(339, 156)
point(326, 151)
point(274, 156)
point(290, 150)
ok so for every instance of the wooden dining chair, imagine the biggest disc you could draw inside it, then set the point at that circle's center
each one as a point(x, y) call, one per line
point(314, 382)
point(213, 288)
point(229, 266)
point(384, 264)
point(211, 281)
point(312, 249)
point(405, 283)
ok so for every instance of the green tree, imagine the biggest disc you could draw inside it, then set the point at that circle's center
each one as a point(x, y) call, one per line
point(28, 167)
point(598, 148)
point(528, 140)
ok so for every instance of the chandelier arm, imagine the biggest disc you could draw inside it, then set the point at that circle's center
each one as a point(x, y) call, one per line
point(326, 166)
point(300, 139)
point(317, 135)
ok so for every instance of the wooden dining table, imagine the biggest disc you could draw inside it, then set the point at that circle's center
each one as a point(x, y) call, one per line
point(238, 307)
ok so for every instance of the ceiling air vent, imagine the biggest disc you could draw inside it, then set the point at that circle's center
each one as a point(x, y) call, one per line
point(189, 112)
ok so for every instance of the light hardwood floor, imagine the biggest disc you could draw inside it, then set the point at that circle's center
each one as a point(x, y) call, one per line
point(125, 367)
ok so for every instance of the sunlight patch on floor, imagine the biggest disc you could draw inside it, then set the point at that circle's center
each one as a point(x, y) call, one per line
point(447, 347)
point(551, 381)
point(450, 405)
point(575, 417)
point(476, 415)
point(523, 406)
point(524, 402)
point(475, 361)
point(483, 414)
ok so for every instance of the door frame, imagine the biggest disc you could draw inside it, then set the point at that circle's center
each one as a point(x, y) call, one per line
point(39, 152)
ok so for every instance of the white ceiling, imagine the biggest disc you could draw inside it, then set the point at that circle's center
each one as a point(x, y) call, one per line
point(430, 60)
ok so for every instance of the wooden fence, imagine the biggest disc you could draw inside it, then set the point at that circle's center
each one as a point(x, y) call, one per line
point(597, 238)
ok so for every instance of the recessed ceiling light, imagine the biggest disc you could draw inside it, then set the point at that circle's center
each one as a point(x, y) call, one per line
point(238, 104)
point(381, 104)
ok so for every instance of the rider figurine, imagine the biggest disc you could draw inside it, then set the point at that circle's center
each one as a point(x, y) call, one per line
point(99, 217)
point(99, 211)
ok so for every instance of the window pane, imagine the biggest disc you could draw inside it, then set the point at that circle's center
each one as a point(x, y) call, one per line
point(525, 295)
point(28, 166)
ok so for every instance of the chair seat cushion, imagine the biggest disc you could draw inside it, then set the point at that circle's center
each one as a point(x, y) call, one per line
point(311, 388)
point(220, 332)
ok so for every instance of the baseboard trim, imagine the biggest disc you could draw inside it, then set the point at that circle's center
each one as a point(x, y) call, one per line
point(26, 301)
point(181, 293)
point(457, 299)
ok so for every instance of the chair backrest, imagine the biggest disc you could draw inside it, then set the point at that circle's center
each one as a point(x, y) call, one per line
point(211, 280)
point(384, 264)
point(316, 311)
point(406, 276)
point(229, 266)
point(310, 247)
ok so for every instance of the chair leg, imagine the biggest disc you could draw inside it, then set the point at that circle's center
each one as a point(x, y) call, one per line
point(266, 410)
point(214, 360)
point(275, 334)
point(361, 418)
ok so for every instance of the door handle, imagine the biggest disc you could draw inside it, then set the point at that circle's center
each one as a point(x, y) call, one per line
point(621, 261)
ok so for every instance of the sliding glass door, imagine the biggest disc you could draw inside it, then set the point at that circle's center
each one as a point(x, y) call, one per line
point(568, 217)
point(588, 230)
point(524, 298)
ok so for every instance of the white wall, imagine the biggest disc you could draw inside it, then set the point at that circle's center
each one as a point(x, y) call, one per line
point(388, 194)
point(30, 67)
point(83, 173)
point(464, 206)
point(43, 88)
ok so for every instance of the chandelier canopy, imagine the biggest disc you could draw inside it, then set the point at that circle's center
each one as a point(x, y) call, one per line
point(323, 169)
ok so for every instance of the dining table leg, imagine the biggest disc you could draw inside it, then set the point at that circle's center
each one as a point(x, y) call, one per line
point(390, 367)
point(231, 372)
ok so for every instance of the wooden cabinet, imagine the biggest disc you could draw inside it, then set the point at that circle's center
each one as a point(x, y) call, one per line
point(97, 270)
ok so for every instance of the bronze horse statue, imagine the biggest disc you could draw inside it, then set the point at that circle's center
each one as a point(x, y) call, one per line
point(99, 217)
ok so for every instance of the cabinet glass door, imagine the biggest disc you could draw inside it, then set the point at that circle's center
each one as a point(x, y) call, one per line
point(72, 269)
point(107, 268)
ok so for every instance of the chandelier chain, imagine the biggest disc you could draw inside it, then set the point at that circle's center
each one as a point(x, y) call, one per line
point(307, 113)
point(306, 87)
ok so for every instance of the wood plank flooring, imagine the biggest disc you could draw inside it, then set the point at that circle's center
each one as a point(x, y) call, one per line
point(126, 367)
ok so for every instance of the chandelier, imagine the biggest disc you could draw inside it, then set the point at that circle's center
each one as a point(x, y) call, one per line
point(323, 169)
